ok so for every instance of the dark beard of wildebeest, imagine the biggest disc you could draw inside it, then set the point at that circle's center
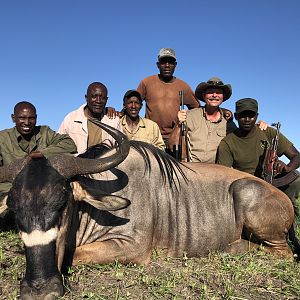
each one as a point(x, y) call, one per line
point(39, 195)
point(187, 209)
point(38, 206)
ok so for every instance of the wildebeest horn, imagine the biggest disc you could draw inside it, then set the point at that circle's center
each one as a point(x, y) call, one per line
point(69, 166)
point(9, 173)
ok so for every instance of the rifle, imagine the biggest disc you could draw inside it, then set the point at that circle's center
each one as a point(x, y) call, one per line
point(183, 141)
point(270, 158)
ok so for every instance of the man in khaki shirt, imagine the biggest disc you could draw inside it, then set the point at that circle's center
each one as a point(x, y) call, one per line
point(135, 127)
point(208, 125)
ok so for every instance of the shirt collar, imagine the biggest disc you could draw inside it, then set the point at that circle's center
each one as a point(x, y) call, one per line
point(221, 115)
point(36, 133)
point(140, 124)
point(91, 118)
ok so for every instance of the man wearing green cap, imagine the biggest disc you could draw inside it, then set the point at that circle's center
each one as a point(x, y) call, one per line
point(245, 149)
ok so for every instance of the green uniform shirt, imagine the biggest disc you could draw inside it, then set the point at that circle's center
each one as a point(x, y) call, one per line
point(13, 146)
point(247, 153)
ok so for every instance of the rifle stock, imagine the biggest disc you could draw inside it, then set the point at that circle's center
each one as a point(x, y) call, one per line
point(285, 178)
point(271, 156)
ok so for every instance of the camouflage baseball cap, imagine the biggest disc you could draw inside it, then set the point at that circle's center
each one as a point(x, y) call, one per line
point(166, 52)
point(246, 104)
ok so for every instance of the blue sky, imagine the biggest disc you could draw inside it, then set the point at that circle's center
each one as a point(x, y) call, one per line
point(51, 50)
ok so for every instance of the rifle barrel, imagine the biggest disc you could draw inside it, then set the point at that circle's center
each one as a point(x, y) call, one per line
point(181, 94)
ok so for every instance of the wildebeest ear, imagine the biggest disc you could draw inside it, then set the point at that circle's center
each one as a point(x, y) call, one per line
point(108, 202)
point(101, 200)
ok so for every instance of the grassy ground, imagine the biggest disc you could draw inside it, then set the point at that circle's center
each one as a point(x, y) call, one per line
point(254, 275)
point(219, 276)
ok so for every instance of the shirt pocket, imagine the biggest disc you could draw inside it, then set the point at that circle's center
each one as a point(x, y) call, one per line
point(221, 132)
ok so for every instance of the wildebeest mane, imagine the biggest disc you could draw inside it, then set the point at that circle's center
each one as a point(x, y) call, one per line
point(168, 165)
point(170, 168)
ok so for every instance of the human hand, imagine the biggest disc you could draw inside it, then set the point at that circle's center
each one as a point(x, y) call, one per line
point(111, 112)
point(182, 116)
point(280, 167)
point(262, 125)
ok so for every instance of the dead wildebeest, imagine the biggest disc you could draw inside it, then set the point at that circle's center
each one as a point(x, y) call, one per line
point(190, 209)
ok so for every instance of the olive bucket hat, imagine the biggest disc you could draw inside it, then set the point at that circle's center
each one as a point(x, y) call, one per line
point(213, 82)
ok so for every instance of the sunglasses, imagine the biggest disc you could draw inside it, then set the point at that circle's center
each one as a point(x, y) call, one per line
point(215, 82)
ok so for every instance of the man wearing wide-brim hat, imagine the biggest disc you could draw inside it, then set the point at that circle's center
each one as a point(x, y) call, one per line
point(208, 125)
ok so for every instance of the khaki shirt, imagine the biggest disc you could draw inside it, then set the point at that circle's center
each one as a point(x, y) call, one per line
point(45, 140)
point(146, 131)
point(204, 135)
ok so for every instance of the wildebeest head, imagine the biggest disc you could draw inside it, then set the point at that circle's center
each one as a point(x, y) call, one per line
point(41, 190)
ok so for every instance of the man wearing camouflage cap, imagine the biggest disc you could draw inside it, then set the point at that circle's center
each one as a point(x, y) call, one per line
point(161, 93)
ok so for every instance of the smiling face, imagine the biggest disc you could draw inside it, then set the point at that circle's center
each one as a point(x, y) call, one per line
point(213, 97)
point(132, 106)
point(96, 99)
point(24, 117)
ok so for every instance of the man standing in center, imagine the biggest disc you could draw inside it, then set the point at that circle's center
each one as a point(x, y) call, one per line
point(161, 93)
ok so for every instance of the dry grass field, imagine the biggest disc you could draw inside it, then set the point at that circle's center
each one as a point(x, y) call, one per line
point(249, 276)
point(253, 275)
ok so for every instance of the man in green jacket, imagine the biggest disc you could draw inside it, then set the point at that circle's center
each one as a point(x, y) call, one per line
point(28, 139)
